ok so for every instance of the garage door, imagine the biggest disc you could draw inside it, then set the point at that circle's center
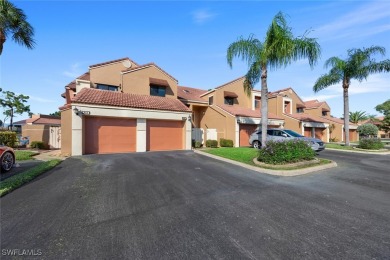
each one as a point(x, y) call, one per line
point(319, 132)
point(109, 135)
point(307, 131)
point(162, 135)
point(245, 132)
point(352, 135)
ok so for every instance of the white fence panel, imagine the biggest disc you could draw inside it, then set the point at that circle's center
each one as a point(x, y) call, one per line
point(211, 134)
point(197, 135)
point(55, 137)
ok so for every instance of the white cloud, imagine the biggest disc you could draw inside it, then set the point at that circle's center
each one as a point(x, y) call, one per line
point(202, 16)
point(42, 100)
point(74, 71)
point(359, 22)
point(377, 83)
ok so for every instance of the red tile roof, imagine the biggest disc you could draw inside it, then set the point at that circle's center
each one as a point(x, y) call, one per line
point(48, 121)
point(85, 76)
point(118, 99)
point(313, 103)
point(148, 65)
point(306, 117)
point(190, 94)
point(336, 120)
point(112, 61)
point(72, 84)
point(41, 120)
point(246, 112)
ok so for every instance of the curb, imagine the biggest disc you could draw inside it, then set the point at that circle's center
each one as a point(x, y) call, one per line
point(355, 151)
point(285, 173)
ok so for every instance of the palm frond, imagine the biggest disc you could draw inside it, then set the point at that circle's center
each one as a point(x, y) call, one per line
point(335, 62)
point(248, 49)
point(252, 77)
point(307, 48)
point(326, 80)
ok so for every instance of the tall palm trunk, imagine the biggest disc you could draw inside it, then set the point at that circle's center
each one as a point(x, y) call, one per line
point(264, 105)
point(346, 110)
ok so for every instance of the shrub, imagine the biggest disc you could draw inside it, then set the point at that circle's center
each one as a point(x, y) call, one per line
point(333, 139)
point(37, 145)
point(212, 143)
point(198, 144)
point(286, 151)
point(8, 138)
point(226, 142)
point(371, 143)
point(367, 129)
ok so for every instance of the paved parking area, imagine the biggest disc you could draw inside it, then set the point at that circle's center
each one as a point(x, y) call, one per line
point(175, 205)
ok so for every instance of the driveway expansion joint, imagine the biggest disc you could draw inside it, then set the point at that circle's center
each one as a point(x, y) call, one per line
point(285, 173)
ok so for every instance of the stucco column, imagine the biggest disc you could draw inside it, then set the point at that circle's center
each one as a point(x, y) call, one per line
point(188, 133)
point(327, 134)
point(77, 134)
point(141, 135)
point(237, 134)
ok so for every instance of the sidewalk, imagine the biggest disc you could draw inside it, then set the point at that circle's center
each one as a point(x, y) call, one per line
point(46, 155)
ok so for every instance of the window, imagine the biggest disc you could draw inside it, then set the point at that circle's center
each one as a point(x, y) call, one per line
point(156, 90)
point(229, 101)
point(324, 113)
point(299, 110)
point(211, 100)
point(287, 107)
point(257, 102)
point(106, 87)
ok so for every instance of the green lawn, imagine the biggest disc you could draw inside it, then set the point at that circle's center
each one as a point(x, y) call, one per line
point(24, 155)
point(18, 180)
point(338, 146)
point(246, 155)
point(241, 154)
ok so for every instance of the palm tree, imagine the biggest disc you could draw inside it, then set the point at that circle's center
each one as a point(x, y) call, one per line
point(13, 22)
point(359, 65)
point(279, 49)
point(356, 117)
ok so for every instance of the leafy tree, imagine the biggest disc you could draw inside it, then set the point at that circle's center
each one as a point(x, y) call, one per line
point(384, 108)
point(356, 117)
point(278, 49)
point(359, 65)
point(13, 23)
point(367, 130)
point(14, 104)
point(57, 113)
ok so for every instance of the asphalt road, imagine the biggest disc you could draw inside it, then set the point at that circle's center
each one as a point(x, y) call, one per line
point(181, 205)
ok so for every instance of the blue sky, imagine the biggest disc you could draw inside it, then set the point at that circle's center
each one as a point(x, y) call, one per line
point(189, 39)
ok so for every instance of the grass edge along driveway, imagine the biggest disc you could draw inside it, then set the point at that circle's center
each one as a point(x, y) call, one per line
point(247, 154)
point(16, 181)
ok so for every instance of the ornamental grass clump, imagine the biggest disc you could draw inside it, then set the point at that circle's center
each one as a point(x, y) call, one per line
point(286, 151)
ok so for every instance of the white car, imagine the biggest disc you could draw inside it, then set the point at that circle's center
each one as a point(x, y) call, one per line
point(284, 134)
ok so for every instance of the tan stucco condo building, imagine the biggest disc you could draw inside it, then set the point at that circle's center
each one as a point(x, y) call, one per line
point(121, 106)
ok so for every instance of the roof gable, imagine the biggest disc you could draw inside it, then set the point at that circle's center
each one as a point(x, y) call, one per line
point(110, 62)
point(118, 99)
point(190, 94)
point(129, 70)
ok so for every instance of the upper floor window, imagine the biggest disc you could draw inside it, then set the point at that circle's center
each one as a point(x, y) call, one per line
point(211, 100)
point(299, 109)
point(229, 101)
point(257, 102)
point(156, 90)
point(287, 107)
point(324, 113)
point(106, 87)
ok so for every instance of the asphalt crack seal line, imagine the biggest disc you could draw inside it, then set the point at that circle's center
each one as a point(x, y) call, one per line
point(286, 173)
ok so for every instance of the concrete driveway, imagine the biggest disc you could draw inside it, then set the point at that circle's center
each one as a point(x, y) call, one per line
point(178, 205)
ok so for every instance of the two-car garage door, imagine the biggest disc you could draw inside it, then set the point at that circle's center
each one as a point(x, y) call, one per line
point(117, 135)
